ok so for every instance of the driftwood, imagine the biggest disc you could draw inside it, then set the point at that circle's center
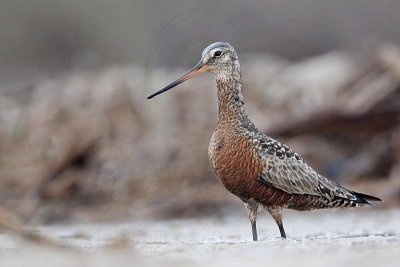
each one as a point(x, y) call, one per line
point(370, 103)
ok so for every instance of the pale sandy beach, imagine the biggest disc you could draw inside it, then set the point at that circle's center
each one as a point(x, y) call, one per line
point(355, 237)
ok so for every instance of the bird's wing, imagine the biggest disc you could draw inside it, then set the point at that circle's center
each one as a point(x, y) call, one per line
point(286, 170)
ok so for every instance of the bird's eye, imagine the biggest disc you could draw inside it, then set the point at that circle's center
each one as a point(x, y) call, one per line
point(217, 53)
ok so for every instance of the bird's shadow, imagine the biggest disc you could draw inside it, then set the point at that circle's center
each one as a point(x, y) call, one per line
point(333, 236)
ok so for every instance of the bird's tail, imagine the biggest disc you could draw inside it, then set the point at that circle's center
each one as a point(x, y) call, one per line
point(364, 198)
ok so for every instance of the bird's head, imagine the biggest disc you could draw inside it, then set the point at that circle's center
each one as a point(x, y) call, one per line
point(218, 58)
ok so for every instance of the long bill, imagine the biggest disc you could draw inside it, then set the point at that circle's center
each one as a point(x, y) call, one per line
point(199, 68)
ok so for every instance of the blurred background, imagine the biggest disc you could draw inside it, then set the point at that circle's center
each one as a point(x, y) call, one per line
point(79, 142)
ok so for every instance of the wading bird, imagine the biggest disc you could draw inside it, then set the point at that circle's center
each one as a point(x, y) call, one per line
point(259, 170)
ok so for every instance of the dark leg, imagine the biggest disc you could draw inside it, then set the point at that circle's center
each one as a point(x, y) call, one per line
point(252, 210)
point(276, 213)
point(282, 230)
point(254, 229)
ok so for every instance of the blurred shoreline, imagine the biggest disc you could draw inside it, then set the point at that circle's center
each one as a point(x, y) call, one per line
point(90, 139)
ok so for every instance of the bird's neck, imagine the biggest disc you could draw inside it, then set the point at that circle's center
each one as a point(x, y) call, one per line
point(230, 99)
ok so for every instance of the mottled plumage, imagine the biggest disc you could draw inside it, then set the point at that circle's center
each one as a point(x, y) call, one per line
point(259, 170)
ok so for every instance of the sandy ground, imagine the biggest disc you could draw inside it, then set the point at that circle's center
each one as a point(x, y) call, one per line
point(367, 237)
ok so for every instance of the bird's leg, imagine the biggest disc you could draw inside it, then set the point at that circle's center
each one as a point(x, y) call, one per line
point(254, 230)
point(252, 210)
point(276, 213)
